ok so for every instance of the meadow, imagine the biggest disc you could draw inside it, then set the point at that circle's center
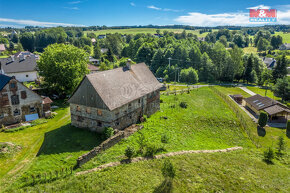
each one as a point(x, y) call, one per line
point(207, 123)
point(285, 36)
point(144, 30)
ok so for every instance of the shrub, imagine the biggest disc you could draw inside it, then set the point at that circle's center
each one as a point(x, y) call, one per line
point(129, 152)
point(108, 132)
point(168, 170)
point(281, 146)
point(161, 101)
point(269, 155)
point(2, 128)
point(263, 118)
point(183, 105)
point(164, 138)
point(150, 150)
point(141, 142)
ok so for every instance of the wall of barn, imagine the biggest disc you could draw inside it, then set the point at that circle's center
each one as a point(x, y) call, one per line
point(96, 119)
point(24, 76)
point(28, 102)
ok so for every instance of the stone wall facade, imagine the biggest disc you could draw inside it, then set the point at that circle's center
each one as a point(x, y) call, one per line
point(98, 119)
point(16, 101)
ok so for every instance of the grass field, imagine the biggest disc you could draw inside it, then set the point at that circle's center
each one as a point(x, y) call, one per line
point(249, 50)
point(144, 30)
point(242, 171)
point(285, 36)
point(207, 123)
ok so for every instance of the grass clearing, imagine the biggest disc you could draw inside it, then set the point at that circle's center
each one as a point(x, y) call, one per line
point(249, 50)
point(241, 171)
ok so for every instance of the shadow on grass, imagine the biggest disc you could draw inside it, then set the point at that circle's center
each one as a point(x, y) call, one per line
point(69, 139)
point(165, 187)
point(261, 131)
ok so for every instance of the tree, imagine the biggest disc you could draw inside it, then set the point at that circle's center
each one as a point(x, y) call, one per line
point(223, 40)
point(276, 41)
point(281, 146)
point(262, 34)
point(129, 152)
point(168, 170)
point(263, 44)
point(288, 127)
point(97, 51)
point(282, 88)
point(269, 155)
point(239, 40)
point(207, 69)
point(253, 77)
point(280, 71)
point(63, 67)
point(157, 60)
point(237, 61)
point(263, 119)
point(249, 68)
point(189, 75)
point(27, 41)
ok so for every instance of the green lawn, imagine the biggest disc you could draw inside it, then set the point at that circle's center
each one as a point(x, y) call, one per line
point(241, 171)
point(207, 123)
point(285, 36)
point(249, 50)
point(144, 30)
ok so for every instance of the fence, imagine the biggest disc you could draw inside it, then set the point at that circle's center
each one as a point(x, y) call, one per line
point(247, 123)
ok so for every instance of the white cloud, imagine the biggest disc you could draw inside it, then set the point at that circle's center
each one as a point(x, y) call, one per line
point(153, 7)
point(74, 2)
point(260, 7)
point(72, 8)
point(35, 23)
point(163, 9)
point(133, 4)
point(235, 19)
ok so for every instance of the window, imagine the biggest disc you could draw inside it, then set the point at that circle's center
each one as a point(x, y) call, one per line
point(130, 105)
point(16, 112)
point(12, 85)
point(15, 99)
point(139, 100)
point(130, 116)
point(100, 112)
point(99, 124)
point(27, 75)
point(117, 123)
point(23, 94)
point(32, 109)
point(78, 108)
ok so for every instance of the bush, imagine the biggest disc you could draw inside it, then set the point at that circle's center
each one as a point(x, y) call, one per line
point(108, 132)
point(141, 142)
point(129, 152)
point(161, 101)
point(288, 126)
point(281, 146)
point(183, 105)
point(269, 155)
point(263, 118)
point(164, 138)
point(168, 170)
point(150, 150)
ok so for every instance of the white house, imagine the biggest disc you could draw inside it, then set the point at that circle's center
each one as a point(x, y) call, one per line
point(22, 68)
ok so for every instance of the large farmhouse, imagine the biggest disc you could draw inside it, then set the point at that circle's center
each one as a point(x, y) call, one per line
point(18, 103)
point(275, 110)
point(22, 67)
point(115, 98)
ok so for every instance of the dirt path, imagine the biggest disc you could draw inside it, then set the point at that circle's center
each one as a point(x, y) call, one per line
point(138, 159)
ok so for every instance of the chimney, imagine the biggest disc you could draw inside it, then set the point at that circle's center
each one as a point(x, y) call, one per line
point(129, 61)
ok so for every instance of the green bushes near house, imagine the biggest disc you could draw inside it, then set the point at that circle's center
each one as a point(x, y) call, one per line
point(129, 152)
point(263, 119)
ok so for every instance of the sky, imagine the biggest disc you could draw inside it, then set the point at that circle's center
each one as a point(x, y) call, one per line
point(49, 13)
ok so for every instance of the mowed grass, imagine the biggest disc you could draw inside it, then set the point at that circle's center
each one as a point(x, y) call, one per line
point(241, 171)
point(207, 123)
point(46, 147)
point(250, 50)
point(143, 30)
point(285, 36)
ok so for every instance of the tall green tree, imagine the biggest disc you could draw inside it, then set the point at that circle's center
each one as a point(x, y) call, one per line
point(282, 88)
point(97, 51)
point(27, 41)
point(276, 41)
point(248, 69)
point(280, 71)
point(263, 44)
point(63, 67)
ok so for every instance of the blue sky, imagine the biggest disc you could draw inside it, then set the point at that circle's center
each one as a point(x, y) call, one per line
point(19, 13)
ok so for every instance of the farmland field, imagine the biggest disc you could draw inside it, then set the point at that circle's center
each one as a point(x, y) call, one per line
point(285, 36)
point(144, 30)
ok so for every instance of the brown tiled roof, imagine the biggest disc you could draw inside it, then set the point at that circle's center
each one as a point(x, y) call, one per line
point(259, 102)
point(46, 100)
point(120, 86)
point(272, 110)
